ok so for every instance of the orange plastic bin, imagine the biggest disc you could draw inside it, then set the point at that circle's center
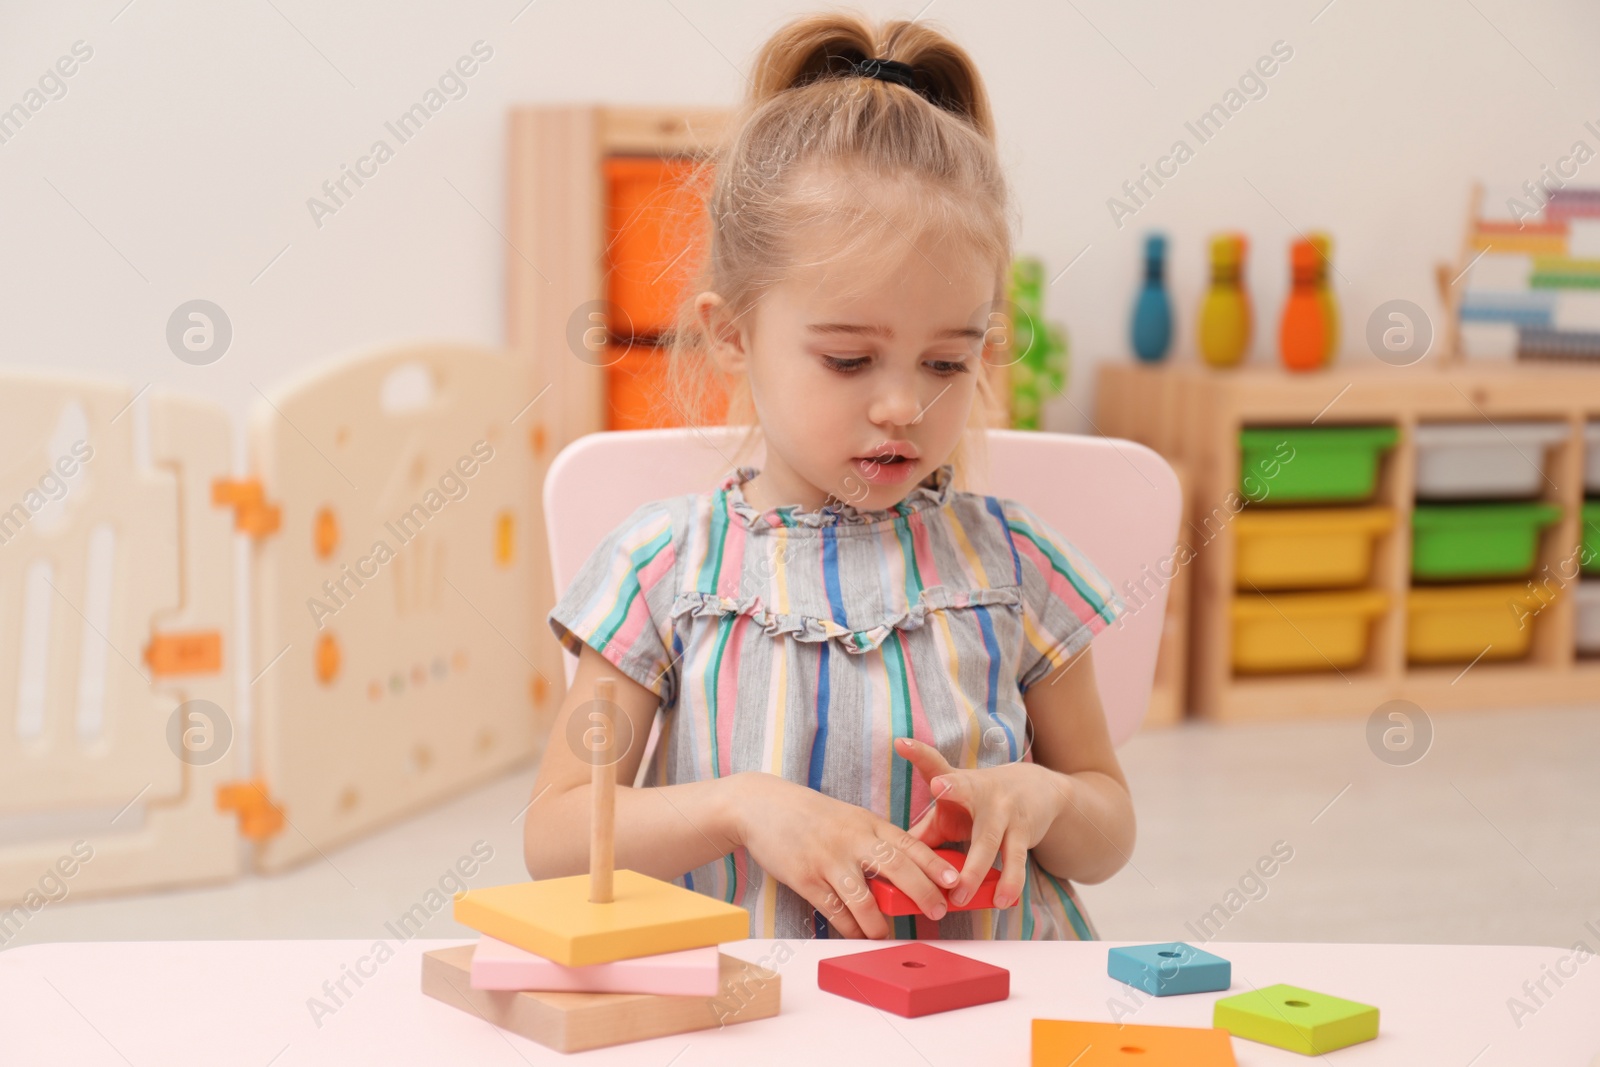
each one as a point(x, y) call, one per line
point(654, 235)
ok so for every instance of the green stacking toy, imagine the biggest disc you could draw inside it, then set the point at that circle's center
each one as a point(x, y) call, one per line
point(1296, 1019)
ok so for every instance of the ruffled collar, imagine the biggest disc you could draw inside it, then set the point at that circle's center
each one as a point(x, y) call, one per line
point(934, 491)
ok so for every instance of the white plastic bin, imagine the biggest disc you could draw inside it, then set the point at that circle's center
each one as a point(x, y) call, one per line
point(1483, 460)
point(1589, 617)
point(1591, 458)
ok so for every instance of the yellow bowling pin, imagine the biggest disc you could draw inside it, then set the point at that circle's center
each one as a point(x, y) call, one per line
point(1225, 312)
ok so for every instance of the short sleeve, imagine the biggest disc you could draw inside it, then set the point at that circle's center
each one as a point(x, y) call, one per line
point(619, 603)
point(1066, 598)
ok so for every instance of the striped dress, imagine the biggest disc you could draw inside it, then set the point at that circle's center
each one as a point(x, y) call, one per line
point(802, 643)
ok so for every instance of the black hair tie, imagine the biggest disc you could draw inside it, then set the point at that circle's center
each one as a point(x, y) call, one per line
point(889, 70)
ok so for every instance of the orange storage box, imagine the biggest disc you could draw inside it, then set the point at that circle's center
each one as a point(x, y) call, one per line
point(655, 222)
point(636, 390)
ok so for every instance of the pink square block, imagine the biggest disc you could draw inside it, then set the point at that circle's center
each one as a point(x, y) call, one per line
point(690, 973)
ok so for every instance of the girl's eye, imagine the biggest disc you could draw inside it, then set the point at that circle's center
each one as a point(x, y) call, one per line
point(948, 367)
point(845, 366)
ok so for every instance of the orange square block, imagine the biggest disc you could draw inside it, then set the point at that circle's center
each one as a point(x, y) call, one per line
point(1058, 1042)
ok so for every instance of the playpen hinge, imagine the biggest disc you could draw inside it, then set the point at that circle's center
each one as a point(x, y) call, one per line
point(252, 514)
point(193, 652)
point(259, 817)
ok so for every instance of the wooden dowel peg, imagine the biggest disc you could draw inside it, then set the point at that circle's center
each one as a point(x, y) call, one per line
point(603, 791)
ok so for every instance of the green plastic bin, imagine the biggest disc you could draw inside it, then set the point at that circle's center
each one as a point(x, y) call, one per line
point(1590, 537)
point(1311, 464)
point(1457, 541)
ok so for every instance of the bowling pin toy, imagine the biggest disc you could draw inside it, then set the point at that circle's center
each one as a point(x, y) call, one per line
point(1303, 331)
point(1225, 313)
point(1152, 312)
point(1330, 303)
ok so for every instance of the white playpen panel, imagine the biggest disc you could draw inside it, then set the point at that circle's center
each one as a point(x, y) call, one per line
point(398, 590)
point(101, 553)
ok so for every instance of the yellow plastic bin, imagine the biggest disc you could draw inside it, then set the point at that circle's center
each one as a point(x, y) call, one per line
point(1304, 631)
point(1455, 624)
point(1307, 548)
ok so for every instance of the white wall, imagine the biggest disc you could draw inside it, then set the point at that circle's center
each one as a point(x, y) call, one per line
point(192, 139)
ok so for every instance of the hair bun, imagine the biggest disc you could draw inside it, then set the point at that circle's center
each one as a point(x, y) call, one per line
point(818, 47)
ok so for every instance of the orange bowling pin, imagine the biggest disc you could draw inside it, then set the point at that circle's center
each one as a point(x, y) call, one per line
point(1303, 333)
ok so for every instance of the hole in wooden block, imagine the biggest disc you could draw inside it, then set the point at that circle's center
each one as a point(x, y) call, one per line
point(1130, 1048)
point(408, 387)
point(349, 799)
point(1297, 1003)
point(912, 963)
point(1170, 955)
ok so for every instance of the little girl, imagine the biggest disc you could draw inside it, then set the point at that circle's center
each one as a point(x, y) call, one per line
point(854, 661)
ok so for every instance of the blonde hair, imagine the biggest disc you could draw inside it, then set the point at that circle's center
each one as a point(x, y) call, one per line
point(810, 136)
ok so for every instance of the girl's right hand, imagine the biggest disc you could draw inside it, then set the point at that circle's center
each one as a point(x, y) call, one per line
point(824, 849)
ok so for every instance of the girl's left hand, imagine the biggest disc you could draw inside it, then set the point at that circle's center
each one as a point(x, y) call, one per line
point(1003, 810)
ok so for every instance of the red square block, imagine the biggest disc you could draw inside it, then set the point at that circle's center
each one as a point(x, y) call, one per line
point(913, 979)
point(892, 901)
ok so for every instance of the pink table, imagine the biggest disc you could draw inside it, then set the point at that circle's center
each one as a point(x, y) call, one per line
point(247, 1003)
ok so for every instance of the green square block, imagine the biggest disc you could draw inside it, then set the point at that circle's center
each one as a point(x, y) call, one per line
point(1296, 1019)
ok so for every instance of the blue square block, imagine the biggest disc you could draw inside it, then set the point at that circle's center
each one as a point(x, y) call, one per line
point(1169, 969)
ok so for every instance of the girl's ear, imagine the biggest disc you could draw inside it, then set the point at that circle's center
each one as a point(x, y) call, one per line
point(725, 339)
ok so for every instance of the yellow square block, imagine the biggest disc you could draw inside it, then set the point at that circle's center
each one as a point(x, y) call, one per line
point(554, 918)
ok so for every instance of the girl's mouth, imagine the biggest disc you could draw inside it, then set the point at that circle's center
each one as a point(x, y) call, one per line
point(886, 470)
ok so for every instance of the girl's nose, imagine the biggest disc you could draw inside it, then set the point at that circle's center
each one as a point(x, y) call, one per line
point(897, 406)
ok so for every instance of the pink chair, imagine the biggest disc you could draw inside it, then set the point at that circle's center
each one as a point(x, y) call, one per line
point(1116, 500)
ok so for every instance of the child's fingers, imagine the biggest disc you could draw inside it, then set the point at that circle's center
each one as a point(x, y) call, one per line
point(924, 757)
point(914, 870)
point(943, 873)
point(927, 829)
point(834, 908)
point(1013, 870)
point(866, 919)
point(987, 833)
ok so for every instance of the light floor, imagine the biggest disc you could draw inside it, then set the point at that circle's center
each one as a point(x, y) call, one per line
point(1493, 837)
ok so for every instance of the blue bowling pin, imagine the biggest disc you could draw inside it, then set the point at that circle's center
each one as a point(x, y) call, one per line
point(1152, 313)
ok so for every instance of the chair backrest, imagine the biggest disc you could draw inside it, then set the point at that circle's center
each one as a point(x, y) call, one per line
point(1115, 500)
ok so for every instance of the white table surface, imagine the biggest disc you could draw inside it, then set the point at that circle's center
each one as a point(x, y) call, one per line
point(246, 1003)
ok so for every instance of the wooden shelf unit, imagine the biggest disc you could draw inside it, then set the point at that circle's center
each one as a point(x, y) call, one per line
point(555, 265)
point(1191, 413)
